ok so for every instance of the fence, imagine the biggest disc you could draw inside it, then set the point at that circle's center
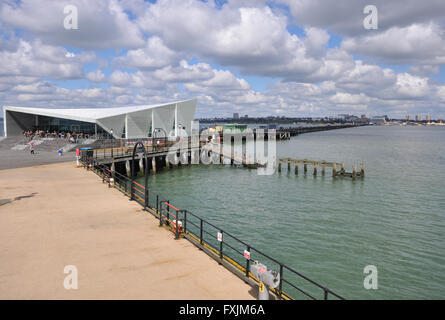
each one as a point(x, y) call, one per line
point(225, 246)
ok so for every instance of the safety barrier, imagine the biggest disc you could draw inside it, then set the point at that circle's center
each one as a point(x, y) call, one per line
point(225, 246)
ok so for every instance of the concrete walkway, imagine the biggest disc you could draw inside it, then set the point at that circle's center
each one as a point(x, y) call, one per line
point(10, 159)
point(57, 215)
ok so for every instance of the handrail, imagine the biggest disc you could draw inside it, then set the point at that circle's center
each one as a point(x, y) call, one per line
point(162, 210)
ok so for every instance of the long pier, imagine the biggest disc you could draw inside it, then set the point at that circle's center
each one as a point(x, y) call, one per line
point(287, 133)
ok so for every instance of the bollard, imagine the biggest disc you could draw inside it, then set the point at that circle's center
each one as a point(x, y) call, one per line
point(362, 170)
point(296, 168)
point(305, 168)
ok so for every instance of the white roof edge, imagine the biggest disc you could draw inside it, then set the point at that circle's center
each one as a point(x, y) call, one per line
point(88, 114)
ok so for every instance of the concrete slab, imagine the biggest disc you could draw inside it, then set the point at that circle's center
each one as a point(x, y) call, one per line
point(59, 215)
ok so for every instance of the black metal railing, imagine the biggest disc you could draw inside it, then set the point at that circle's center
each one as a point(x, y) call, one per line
point(225, 246)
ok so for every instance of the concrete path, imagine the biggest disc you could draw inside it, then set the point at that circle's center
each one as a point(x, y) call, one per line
point(57, 215)
point(10, 159)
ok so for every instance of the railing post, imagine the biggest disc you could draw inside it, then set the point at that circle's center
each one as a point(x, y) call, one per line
point(159, 211)
point(168, 213)
point(177, 225)
point(280, 289)
point(200, 233)
point(185, 221)
point(247, 263)
point(221, 246)
point(146, 198)
point(325, 293)
point(131, 189)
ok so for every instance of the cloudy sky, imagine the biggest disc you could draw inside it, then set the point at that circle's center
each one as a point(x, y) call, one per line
point(255, 57)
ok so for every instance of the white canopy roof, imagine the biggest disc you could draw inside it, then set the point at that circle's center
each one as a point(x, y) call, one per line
point(88, 114)
point(131, 121)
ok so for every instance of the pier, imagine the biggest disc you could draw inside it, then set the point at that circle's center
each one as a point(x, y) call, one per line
point(287, 133)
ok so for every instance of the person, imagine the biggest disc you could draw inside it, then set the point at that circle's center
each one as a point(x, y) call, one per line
point(31, 147)
point(60, 151)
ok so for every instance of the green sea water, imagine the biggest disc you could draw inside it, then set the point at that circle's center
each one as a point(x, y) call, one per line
point(328, 228)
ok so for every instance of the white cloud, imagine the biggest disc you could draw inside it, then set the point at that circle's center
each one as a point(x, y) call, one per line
point(36, 59)
point(409, 44)
point(96, 76)
point(101, 23)
point(155, 55)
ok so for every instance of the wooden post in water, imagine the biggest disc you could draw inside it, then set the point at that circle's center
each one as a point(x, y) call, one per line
point(334, 169)
point(354, 171)
point(305, 167)
point(288, 166)
point(153, 164)
point(141, 165)
point(128, 168)
point(315, 168)
point(323, 167)
point(296, 168)
point(362, 170)
point(343, 167)
point(279, 166)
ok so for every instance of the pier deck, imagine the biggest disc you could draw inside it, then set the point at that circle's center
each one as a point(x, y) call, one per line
point(64, 215)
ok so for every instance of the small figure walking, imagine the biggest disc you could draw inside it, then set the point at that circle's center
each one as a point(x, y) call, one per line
point(31, 147)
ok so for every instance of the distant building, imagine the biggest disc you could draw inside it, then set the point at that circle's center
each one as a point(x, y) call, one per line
point(440, 119)
point(418, 118)
point(428, 117)
point(236, 116)
point(378, 119)
point(235, 128)
point(408, 118)
point(246, 116)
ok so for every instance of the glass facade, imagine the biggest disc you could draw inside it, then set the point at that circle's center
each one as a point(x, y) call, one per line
point(67, 125)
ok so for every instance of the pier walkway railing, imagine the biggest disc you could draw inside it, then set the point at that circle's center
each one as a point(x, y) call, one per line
point(223, 246)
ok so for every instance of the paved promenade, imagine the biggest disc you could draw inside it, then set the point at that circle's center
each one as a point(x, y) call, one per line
point(57, 215)
point(10, 159)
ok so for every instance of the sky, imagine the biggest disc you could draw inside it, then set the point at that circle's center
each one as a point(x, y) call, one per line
point(298, 58)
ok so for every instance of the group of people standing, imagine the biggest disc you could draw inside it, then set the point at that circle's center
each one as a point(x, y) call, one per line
point(72, 136)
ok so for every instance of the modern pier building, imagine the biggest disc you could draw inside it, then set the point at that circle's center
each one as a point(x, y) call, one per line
point(123, 122)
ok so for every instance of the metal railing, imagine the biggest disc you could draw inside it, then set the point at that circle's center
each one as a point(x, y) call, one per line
point(225, 246)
